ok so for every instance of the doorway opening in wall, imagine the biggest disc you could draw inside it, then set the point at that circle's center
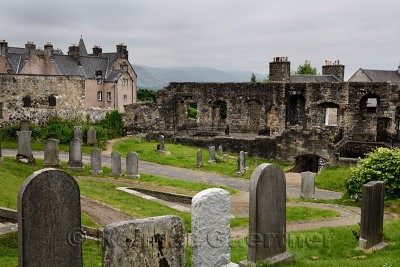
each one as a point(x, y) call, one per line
point(331, 117)
point(192, 110)
point(223, 110)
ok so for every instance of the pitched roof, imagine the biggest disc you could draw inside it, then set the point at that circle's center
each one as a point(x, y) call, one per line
point(82, 48)
point(383, 75)
point(303, 78)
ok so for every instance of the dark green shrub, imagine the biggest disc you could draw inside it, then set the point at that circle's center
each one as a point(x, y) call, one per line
point(382, 164)
point(145, 95)
point(192, 110)
point(113, 121)
point(9, 133)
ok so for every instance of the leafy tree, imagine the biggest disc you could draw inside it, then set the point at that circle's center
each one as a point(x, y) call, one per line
point(306, 69)
point(192, 110)
point(145, 95)
point(253, 78)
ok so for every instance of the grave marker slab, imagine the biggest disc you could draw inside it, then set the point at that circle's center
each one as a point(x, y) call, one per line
point(220, 152)
point(132, 165)
point(51, 155)
point(160, 147)
point(24, 147)
point(75, 156)
point(211, 154)
point(24, 125)
point(78, 133)
point(307, 185)
point(116, 169)
point(245, 158)
point(95, 161)
point(91, 137)
point(199, 158)
point(240, 161)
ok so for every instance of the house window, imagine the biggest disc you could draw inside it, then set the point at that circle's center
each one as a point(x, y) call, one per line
point(98, 75)
point(109, 96)
point(52, 101)
point(27, 101)
point(331, 116)
point(125, 98)
point(124, 81)
point(99, 95)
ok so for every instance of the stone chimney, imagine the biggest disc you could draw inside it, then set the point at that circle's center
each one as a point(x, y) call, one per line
point(122, 51)
point(31, 47)
point(334, 68)
point(279, 70)
point(73, 51)
point(48, 49)
point(3, 48)
point(97, 50)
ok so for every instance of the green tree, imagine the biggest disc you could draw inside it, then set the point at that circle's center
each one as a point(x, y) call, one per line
point(253, 78)
point(306, 69)
point(145, 95)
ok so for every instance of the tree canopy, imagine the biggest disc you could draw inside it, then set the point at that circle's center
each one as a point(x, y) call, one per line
point(306, 68)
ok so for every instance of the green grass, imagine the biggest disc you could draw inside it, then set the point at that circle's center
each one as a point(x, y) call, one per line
point(40, 147)
point(332, 178)
point(87, 221)
point(185, 157)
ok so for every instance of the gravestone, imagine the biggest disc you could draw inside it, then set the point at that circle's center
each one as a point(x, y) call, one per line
point(78, 133)
point(116, 169)
point(1, 153)
point(255, 162)
point(267, 217)
point(245, 160)
point(140, 139)
point(132, 165)
point(307, 185)
point(151, 242)
point(51, 155)
point(220, 152)
point(240, 161)
point(91, 139)
point(160, 147)
point(149, 136)
point(95, 161)
point(24, 125)
point(49, 220)
point(371, 226)
point(211, 228)
point(199, 158)
point(24, 147)
point(211, 154)
point(75, 156)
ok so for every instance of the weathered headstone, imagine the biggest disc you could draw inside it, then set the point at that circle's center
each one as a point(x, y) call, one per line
point(211, 154)
point(240, 161)
point(160, 147)
point(220, 152)
point(255, 162)
point(1, 153)
point(51, 155)
point(245, 160)
point(75, 156)
point(91, 139)
point(132, 165)
point(95, 161)
point(149, 136)
point(24, 147)
point(116, 169)
point(199, 158)
point(211, 228)
point(78, 133)
point(371, 226)
point(267, 217)
point(49, 220)
point(140, 139)
point(151, 242)
point(307, 185)
point(24, 125)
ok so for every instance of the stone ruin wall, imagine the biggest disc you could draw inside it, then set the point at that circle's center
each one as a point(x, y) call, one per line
point(275, 120)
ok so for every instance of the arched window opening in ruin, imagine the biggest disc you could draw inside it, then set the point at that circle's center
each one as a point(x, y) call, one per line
point(192, 110)
point(296, 111)
point(369, 103)
point(223, 110)
point(52, 101)
point(27, 102)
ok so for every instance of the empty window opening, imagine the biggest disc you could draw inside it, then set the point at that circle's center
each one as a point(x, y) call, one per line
point(109, 96)
point(1, 110)
point(223, 110)
point(372, 103)
point(99, 95)
point(27, 101)
point(192, 110)
point(125, 98)
point(331, 117)
point(52, 101)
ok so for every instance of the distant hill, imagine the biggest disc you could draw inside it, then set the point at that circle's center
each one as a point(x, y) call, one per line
point(158, 78)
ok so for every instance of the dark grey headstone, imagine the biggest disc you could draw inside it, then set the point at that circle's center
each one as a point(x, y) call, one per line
point(267, 216)
point(211, 154)
point(132, 165)
point(240, 162)
point(78, 133)
point(116, 169)
point(255, 162)
point(75, 156)
point(220, 152)
point(371, 226)
point(199, 158)
point(91, 137)
point(49, 220)
point(151, 242)
point(24, 144)
point(95, 161)
point(51, 155)
point(24, 125)
point(307, 185)
point(161, 139)
point(245, 161)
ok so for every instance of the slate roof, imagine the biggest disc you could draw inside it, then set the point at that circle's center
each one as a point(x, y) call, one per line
point(303, 78)
point(383, 75)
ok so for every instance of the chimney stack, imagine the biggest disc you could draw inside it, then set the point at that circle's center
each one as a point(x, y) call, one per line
point(73, 51)
point(336, 69)
point(3, 48)
point(279, 70)
point(31, 47)
point(48, 49)
point(122, 51)
point(97, 50)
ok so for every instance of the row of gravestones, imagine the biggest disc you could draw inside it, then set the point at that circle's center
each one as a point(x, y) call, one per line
point(50, 233)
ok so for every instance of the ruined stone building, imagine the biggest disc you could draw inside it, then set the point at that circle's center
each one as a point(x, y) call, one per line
point(314, 119)
point(45, 81)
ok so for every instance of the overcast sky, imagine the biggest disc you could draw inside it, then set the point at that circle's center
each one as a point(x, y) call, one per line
point(224, 34)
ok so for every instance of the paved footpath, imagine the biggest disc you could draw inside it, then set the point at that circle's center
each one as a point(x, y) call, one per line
point(185, 174)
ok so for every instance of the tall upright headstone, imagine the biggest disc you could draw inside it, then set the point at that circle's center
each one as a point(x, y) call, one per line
point(24, 147)
point(91, 138)
point(95, 161)
point(245, 161)
point(49, 220)
point(255, 162)
point(116, 169)
point(199, 158)
point(75, 162)
point(220, 152)
point(151, 242)
point(371, 226)
point(132, 165)
point(211, 154)
point(140, 139)
point(211, 228)
point(78, 133)
point(307, 185)
point(24, 125)
point(267, 217)
point(240, 162)
point(51, 155)
point(160, 146)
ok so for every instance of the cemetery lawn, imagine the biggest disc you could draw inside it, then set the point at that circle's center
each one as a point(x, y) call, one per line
point(40, 147)
point(185, 157)
point(332, 178)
